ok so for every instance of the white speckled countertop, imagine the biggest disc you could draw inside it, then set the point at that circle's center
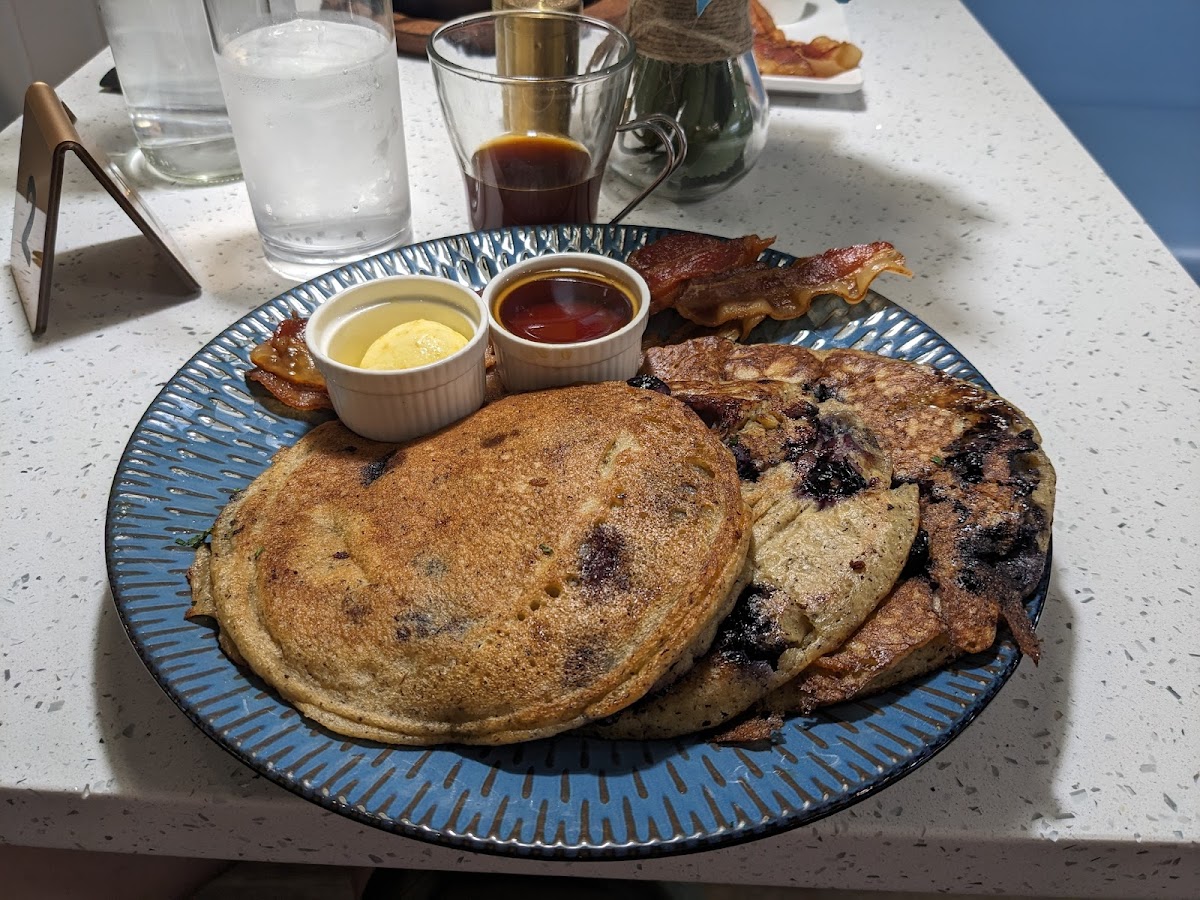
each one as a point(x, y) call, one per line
point(1082, 778)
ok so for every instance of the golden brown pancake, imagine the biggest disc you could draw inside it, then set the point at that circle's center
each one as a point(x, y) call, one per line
point(830, 537)
point(542, 563)
point(986, 504)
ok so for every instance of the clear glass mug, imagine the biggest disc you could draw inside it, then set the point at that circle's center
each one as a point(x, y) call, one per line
point(313, 92)
point(533, 101)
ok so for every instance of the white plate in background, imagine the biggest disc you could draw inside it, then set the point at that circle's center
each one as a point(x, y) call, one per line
point(803, 20)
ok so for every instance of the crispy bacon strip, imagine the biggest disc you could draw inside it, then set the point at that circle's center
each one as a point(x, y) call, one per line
point(290, 393)
point(748, 295)
point(822, 57)
point(671, 261)
point(285, 354)
point(284, 367)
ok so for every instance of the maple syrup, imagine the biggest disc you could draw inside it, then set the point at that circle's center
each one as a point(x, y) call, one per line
point(564, 306)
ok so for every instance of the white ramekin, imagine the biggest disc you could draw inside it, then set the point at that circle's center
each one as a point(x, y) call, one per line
point(526, 365)
point(399, 404)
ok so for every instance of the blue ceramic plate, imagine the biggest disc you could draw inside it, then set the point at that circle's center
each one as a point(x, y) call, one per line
point(205, 437)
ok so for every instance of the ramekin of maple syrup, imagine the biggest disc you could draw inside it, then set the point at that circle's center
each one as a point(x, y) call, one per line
point(566, 318)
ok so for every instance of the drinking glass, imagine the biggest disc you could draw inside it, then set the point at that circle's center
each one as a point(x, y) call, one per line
point(532, 101)
point(165, 65)
point(313, 92)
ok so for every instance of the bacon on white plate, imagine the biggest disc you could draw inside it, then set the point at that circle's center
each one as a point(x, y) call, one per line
point(822, 57)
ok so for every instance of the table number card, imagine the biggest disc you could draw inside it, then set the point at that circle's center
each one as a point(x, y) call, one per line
point(48, 134)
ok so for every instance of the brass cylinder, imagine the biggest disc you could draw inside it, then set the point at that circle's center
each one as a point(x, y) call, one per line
point(540, 47)
point(573, 6)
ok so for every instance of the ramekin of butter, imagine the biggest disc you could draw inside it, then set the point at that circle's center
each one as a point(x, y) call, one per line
point(401, 356)
point(566, 318)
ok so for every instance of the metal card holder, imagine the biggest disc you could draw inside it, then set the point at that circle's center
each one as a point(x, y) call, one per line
point(48, 133)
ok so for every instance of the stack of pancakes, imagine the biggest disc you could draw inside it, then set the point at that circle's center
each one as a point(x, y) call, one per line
point(765, 530)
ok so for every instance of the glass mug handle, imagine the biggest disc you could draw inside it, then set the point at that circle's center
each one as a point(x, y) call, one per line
point(674, 141)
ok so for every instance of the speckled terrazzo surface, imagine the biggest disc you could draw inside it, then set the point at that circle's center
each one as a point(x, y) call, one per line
point(1081, 779)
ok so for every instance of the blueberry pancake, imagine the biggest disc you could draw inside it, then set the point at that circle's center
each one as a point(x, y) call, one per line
point(542, 563)
point(986, 503)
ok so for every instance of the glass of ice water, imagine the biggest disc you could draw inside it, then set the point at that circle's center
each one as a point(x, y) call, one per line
point(165, 64)
point(313, 92)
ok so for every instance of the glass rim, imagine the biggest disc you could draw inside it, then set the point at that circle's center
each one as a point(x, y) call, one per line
point(624, 60)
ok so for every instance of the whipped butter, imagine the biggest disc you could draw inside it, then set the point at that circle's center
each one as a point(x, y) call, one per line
point(411, 344)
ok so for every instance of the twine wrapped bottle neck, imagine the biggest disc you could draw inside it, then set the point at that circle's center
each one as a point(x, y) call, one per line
point(670, 30)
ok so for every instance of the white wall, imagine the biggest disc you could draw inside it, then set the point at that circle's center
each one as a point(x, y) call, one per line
point(43, 40)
